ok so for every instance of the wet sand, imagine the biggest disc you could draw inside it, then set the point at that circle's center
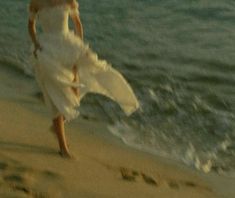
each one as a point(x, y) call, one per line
point(30, 165)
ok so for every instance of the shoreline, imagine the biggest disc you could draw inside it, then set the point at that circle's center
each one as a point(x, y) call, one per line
point(222, 185)
point(105, 167)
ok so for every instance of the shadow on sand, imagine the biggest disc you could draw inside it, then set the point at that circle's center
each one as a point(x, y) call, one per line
point(27, 148)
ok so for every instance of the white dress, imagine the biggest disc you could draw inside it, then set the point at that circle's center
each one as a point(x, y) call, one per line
point(61, 50)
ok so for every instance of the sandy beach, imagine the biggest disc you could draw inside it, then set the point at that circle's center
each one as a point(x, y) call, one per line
point(104, 167)
point(31, 167)
point(179, 59)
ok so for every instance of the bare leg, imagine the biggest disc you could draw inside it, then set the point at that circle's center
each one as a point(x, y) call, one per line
point(58, 125)
point(75, 89)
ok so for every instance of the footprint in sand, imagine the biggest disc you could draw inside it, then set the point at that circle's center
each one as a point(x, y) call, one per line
point(195, 185)
point(22, 189)
point(14, 178)
point(50, 174)
point(21, 179)
point(176, 185)
point(132, 175)
point(27, 191)
point(3, 166)
point(128, 175)
point(173, 185)
point(189, 184)
point(10, 178)
point(149, 180)
point(17, 182)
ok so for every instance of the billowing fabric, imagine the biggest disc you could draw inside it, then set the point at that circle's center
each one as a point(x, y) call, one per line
point(61, 50)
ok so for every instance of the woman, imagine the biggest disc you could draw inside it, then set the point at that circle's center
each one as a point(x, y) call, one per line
point(66, 68)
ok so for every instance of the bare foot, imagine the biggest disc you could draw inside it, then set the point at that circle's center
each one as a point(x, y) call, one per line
point(66, 154)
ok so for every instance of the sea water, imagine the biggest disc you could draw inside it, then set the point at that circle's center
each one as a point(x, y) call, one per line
point(179, 57)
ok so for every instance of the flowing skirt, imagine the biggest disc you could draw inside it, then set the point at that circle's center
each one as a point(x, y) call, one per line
point(54, 74)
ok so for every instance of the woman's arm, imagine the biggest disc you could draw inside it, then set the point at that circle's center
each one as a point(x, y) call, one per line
point(74, 14)
point(78, 25)
point(32, 29)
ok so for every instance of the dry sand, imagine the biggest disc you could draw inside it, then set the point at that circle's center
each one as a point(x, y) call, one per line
point(31, 167)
